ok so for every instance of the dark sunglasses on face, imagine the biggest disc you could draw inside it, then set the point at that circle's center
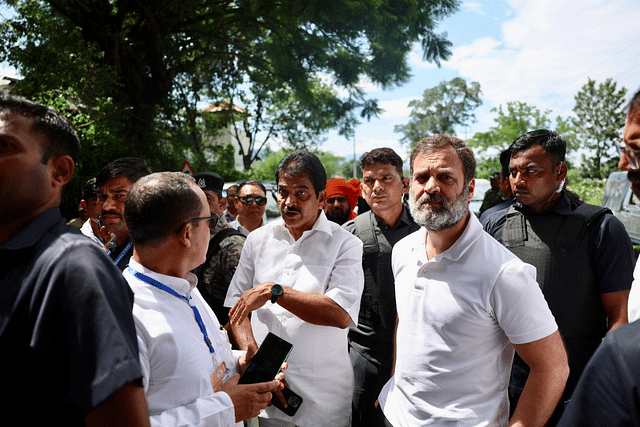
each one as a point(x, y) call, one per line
point(212, 221)
point(248, 200)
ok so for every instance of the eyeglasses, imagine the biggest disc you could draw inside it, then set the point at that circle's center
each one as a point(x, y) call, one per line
point(632, 155)
point(248, 200)
point(212, 221)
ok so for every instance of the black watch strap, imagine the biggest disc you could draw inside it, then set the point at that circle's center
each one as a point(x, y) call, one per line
point(276, 291)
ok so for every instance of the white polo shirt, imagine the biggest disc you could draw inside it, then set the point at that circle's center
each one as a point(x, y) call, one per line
point(458, 315)
point(324, 260)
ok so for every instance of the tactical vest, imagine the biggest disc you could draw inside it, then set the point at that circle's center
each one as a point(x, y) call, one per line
point(378, 304)
point(557, 245)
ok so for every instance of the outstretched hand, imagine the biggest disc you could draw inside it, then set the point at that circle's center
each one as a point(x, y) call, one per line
point(249, 301)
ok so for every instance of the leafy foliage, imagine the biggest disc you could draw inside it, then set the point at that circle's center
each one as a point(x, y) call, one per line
point(599, 120)
point(441, 110)
point(155, 61)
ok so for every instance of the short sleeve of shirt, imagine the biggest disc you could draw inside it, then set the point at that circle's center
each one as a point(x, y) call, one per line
point(613, 255)
point(99, 326)
point(519, 305)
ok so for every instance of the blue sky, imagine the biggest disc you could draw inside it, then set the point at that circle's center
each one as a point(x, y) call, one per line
point(535, 51)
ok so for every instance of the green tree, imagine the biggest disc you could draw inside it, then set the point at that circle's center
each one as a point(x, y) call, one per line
point(154, 60)
point(599, 119)
point(511, 122)
point(441, 110)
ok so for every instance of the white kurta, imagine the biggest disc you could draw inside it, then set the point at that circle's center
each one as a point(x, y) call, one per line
point(324, 260)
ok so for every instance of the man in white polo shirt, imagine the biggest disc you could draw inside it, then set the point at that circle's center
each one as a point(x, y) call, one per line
point(464, 303)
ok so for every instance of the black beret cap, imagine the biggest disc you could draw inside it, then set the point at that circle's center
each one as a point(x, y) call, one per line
point(209, 181)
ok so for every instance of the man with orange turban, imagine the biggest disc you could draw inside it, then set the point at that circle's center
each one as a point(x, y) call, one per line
point(342, 198)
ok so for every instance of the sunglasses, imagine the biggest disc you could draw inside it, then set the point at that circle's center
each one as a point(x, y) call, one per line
point(248, 200)
point(212, 221)
point(632, 155)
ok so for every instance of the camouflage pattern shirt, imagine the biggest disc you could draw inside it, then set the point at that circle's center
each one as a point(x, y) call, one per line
point(215, 275)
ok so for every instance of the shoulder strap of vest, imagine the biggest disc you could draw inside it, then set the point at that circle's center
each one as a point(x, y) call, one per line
point(365, 231)
point(577, 224)
point(514, 231)
point(214, 243)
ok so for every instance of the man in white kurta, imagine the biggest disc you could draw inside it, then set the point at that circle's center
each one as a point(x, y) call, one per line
point(318, 265)
point(189, 370)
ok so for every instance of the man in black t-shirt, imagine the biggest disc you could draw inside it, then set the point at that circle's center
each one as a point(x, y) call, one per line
point(69, 350)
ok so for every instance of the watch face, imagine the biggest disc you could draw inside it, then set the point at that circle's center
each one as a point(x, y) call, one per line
point(276, 290)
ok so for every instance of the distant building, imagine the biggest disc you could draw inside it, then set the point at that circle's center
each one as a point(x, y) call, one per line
point(219, 128)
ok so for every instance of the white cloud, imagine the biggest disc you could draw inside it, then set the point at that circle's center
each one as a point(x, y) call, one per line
point(549, 48)
point(473, 7)
point(415, 60)
point(396, 108)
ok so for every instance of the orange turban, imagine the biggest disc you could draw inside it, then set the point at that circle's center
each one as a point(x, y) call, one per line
point(351, 189)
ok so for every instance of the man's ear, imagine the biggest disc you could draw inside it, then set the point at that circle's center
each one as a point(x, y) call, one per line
point(405, 185)
point(561, 171)
point(186, 234)
point(62, 168)
point(472, 188)
point(322, 198)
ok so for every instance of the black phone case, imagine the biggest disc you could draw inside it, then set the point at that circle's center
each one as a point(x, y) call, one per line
point(293, 399)
point(266, 363)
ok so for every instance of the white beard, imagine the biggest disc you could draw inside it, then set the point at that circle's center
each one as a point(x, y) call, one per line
point(439, 218)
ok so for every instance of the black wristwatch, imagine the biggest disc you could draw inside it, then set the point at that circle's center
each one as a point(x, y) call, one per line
point(276, 291)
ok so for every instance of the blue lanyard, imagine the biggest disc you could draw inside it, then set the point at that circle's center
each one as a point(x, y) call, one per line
point(189, 301)
point(122, 254)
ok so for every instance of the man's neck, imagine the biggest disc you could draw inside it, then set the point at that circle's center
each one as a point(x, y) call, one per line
point(17, 222)
point(156, 260)
point(390, 216)
point(249, 224)
point(438, 242)
point(122, 237)
point(548, 205)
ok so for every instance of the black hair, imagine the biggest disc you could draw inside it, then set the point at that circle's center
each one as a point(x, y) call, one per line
point(634, 102)
point(438, 141)
point(158, 204)
point(131, 168)
point(505, 158)
point(61, 138)
point(244, 183)
point(89, 189)
point(382, 155)
point(552, 143)
point(304, 163)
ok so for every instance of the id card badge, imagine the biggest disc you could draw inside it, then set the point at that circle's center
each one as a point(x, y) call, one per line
point(218, 377)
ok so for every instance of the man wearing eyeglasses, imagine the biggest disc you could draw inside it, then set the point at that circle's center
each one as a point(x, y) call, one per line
point(251, 203)
point(582, 253)
point(225, 247)
point(190, 372)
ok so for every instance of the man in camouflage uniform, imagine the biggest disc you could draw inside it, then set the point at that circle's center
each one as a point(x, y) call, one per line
point(224, 250)
point(494, 196)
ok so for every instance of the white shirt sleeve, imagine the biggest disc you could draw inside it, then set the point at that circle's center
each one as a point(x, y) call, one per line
point(214, 410)
point(519, 305)
point(634, 296)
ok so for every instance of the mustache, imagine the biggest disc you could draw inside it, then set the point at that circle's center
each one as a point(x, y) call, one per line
point(290, 209)
point(112, 213)
point(428, 197)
